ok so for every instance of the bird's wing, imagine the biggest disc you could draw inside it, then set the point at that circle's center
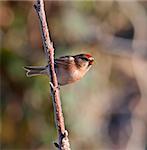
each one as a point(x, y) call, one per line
point(65, 60)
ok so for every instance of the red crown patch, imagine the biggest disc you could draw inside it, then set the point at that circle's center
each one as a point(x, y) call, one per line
point(88, 55)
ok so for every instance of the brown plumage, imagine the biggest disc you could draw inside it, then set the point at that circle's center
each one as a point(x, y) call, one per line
point(68, 68)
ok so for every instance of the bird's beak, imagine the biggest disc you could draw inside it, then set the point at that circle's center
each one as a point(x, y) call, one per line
point(91, 60)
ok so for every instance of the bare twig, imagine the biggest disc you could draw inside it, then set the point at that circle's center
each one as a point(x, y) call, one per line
point(49, 52)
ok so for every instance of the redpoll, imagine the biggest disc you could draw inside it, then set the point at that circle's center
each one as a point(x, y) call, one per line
point(68, 68)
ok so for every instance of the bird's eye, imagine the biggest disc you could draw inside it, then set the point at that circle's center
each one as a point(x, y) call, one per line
point(85, 59)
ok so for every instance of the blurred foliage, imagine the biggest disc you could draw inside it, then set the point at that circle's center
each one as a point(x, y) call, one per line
point(27, 120)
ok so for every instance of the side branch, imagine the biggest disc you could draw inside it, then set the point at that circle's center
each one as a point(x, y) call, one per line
point(49, 52)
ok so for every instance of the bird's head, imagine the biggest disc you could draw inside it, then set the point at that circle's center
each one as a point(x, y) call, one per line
point(84, 61)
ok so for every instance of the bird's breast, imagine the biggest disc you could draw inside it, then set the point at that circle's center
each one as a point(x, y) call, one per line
point(68, 76)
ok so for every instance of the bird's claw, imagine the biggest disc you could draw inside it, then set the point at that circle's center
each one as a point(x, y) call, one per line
point(53, 87)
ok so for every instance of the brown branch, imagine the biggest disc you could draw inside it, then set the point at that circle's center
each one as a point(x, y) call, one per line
point(49, 52)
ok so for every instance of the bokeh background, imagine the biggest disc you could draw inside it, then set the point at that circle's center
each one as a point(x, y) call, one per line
point(107, 109)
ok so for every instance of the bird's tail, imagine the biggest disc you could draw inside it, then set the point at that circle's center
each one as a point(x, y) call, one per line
point(34, 70)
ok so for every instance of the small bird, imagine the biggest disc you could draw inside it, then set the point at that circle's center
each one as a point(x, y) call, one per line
point(69, 69)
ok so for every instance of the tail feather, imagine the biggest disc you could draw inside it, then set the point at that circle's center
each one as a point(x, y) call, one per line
point(33, 70)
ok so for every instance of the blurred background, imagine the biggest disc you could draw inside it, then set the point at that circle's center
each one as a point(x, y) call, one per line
point(107, 109)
